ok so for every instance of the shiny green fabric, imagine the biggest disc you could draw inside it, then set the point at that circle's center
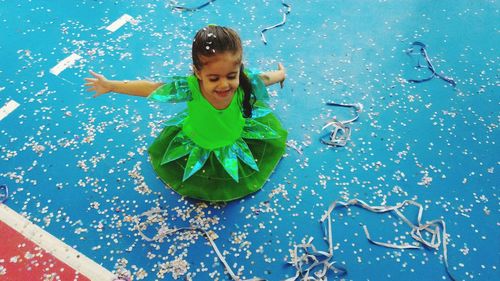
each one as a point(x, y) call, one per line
point(258, 86)
point(218, 170)
point(195, 161)
point(228, 160)
point(180, 146)
point(241, 149)
point(256, 130)
point(174, 90)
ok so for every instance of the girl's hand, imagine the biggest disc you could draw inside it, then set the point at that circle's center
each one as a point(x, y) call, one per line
point(282, 69)
point(275, 76)
point(99, 84)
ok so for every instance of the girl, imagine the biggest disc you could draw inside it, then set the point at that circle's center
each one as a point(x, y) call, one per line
point(227, 142)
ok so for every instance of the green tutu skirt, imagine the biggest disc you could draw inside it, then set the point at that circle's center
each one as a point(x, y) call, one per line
point(212, 182)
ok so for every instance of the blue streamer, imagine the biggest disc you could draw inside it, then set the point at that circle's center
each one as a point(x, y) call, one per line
point(4, 193)
point(429, 66)
point(187, 9)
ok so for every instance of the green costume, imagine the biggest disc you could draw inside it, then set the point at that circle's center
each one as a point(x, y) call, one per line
point(216, 155)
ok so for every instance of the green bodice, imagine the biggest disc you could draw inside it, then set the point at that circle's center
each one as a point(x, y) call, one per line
point(209, 127)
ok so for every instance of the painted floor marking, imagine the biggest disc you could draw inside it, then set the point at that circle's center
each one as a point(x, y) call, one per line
point(22, 259)
point(8, 108)
point(119, 22)
point(54, 246)
point(65, 63)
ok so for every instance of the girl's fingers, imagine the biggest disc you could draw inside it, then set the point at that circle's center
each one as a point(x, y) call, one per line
point(97, 94)
point(282, 68)
point(91, 82)
point(96, 75)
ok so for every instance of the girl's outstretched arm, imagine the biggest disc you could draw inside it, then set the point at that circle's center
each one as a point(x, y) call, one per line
point(272, 77)
point(102, 86)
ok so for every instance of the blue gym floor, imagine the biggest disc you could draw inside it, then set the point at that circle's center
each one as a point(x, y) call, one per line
point(78, 167)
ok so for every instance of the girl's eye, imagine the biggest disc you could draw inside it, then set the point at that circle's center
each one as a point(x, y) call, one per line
point(213, 79)
point(232, 77)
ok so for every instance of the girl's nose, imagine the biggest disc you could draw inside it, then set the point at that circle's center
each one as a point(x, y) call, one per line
point(224, 83)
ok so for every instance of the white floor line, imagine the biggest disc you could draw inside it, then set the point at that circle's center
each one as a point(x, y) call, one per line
point(65, 63)
point(119, 23)
point(8, 108)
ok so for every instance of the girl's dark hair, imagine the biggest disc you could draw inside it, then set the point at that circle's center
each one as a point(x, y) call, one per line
point(212, 40)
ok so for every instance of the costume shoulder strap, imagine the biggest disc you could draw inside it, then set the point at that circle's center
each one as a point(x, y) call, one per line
point(176, 89)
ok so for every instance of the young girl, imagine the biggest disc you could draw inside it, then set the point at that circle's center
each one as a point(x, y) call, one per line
point(227, 142)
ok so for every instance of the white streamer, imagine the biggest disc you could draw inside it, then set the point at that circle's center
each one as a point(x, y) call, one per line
point(341, 133)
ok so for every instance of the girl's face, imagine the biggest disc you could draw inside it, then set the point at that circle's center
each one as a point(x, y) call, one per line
point(219, 78)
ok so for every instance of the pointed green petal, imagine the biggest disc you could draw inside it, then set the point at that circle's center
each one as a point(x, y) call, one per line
point(177, 119)
point(255, 130)
point(180, 146)
point(195, 162)
point(241, 149)
point(260, 111)
point(228, 160)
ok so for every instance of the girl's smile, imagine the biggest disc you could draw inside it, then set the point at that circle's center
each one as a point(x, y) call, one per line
point(223, 93)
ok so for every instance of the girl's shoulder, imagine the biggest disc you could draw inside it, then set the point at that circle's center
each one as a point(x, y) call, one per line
point(175, 89)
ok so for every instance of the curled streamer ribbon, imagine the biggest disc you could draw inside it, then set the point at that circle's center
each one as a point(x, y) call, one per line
point(318, 258)
point(432, 227)
point(166, 232)
point(429, 66)
point(341, 133)
point(287, 11)
point(187, 9)
point(4, 193)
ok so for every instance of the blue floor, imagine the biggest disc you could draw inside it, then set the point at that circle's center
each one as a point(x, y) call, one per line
point(78, 166)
